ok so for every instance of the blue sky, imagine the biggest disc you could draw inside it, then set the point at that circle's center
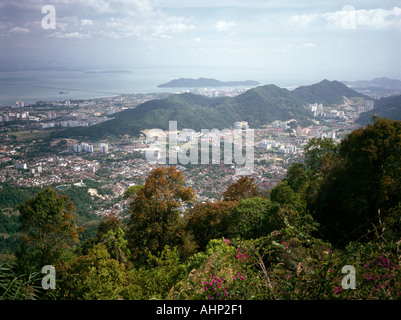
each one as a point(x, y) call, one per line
point(337, 40)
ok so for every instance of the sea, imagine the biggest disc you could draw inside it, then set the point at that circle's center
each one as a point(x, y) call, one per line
point(33, 86)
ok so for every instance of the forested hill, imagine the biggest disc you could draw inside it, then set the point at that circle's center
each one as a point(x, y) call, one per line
point(260, 105)
point(326, 92)
point(389, 107)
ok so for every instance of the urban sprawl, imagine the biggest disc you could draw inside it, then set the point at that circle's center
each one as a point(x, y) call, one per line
point(29, 159)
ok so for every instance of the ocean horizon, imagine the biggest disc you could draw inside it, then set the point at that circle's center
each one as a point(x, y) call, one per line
point(33, 86)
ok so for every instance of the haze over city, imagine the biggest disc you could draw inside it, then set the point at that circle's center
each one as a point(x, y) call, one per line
point(229, 40)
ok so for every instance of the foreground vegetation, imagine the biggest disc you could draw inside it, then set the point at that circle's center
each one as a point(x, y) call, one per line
point(340, 208)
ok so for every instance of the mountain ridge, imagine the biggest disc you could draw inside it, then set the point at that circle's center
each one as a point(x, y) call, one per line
point(205, 82)
point(387, 107)
point(257, 106)
point(382, 81)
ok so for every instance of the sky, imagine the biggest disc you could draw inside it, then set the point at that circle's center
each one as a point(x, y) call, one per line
point(275, 39)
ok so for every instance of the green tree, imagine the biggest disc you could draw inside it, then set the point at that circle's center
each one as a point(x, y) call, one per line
point(131, 192)
point(318, 154)
point(160, 275)
point(116, 245)
point(48, 229)
point(363, 186)
point(241, 189)
point(297, 178)
point(210, 220)
point(110, 222)
point(95, 276)
point(251, 218)
point(155, 219)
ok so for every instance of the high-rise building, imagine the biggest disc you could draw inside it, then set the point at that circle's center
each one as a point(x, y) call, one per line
point(21, 166)
point(104, 148)
point(83, 147)
point(241, 125)
point(77, 148)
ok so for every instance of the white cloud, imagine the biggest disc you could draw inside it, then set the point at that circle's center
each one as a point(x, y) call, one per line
point(224, 25)
point(309, 45)
point(19, 30)
point(350, 18)
point(301, 20)
point(71, 35)
point(379, 18)
point(99, 6)
point(158, 25)
point(86, 22)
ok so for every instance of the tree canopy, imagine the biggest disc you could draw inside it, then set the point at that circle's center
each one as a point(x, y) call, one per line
point(48, 228)
point(154, 214)
point(339, 208)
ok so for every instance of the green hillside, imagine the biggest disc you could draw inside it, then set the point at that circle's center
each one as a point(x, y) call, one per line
point(325, 92)
point(389, 107)
point(266, 104)
point(258, 106)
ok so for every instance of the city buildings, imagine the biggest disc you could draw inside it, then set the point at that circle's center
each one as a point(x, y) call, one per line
point(104, 148)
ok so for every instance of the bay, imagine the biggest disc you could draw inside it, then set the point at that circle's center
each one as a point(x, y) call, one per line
point(33, 86)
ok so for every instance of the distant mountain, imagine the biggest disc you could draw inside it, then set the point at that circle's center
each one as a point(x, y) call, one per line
point(204, 82)
point(376, 88)
point(326, 92)
point(258, 106)
point(377, 82)
point(388, 107)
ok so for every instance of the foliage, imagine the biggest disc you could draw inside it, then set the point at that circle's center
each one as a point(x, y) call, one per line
point(131, 192)
point(95, 276)
point(326, 92)
point(11, 196)
point(318, 153)
point(82, 203)
point(242, 189)
point(252, 218)
point(361, 186)
point(155, 220)
point(160, 275)
point(48, 229)
point(210, 220)
point(14, 286)
point(284, 245)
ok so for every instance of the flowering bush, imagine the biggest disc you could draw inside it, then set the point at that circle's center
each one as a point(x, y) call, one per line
point(382, 274)
point(378, 274)
point(222, 272)
point(284, 265)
